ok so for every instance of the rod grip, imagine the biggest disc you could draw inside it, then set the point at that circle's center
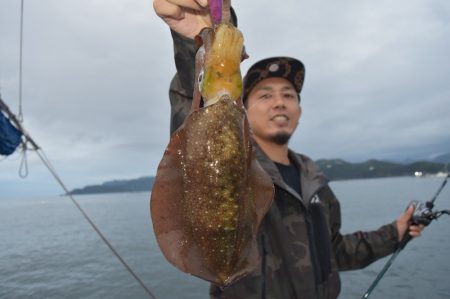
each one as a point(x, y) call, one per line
point(405, 240)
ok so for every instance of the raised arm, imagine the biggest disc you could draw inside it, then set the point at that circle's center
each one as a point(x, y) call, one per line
point(186, 18)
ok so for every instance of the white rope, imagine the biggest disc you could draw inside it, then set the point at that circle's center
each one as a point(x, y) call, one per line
point(20, 115)
point(24, 167)
point(52, 170)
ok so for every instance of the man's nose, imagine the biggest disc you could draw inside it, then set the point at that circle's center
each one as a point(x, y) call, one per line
point(278, 101)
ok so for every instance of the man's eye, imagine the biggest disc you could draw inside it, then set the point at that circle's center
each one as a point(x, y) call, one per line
point(265, 96)
point(290, 96)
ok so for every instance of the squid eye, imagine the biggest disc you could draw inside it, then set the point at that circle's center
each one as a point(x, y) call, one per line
point(200, 79)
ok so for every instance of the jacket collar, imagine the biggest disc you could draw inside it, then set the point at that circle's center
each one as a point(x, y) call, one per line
point(311, 178)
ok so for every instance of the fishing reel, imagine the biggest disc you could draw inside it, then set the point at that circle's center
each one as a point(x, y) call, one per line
point(424, 214)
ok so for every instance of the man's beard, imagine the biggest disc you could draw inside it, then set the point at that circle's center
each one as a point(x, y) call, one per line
point(280, 138)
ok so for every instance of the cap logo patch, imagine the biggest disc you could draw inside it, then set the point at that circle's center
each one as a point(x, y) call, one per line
point(274, 67)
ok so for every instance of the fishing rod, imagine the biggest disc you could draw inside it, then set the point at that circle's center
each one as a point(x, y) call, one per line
point(423, 215)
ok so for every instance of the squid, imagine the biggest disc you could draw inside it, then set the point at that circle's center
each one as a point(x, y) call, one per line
point(210, 193)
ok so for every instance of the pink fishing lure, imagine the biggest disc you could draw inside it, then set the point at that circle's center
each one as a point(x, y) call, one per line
point(215, 7)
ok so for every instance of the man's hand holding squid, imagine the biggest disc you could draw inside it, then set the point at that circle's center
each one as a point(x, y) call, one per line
point(187, 17)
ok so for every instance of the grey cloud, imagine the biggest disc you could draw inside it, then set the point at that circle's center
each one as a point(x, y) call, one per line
point(96, 77)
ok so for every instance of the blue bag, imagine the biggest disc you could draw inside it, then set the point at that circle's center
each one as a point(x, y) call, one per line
point(10, 137)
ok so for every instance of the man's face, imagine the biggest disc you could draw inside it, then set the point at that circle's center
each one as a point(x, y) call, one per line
point(273, 110)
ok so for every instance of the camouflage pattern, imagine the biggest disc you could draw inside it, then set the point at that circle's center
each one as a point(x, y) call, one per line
point(182, 85)
point(300, 243)
point(299, 240)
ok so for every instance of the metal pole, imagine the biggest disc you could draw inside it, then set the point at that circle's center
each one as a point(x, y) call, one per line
point(17, 123)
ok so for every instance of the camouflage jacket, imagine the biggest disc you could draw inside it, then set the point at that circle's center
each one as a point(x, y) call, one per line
point(299, 241)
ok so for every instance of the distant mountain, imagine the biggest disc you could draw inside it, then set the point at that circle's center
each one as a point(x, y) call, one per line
point(337, 169)
point(445, 158)
point(134, 185)
point(334, 169)
point(436, 158)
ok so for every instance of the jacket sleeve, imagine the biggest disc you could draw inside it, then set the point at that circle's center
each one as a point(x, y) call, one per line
point(359, 249)
point(182, 85)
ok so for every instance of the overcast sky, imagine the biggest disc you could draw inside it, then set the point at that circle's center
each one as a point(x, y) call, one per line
point(96, 76)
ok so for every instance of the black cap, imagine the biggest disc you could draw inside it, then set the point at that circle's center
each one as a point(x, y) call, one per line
point(289, 68)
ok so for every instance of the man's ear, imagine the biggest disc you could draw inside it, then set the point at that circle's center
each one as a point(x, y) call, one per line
point(300, 115)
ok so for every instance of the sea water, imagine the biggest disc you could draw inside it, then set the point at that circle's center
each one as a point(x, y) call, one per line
point(48, 250)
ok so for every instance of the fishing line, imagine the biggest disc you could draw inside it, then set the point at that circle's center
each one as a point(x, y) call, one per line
point(52, 170)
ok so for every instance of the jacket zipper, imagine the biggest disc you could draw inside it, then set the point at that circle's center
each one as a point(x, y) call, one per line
point(312, 246)
point(263, 267)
